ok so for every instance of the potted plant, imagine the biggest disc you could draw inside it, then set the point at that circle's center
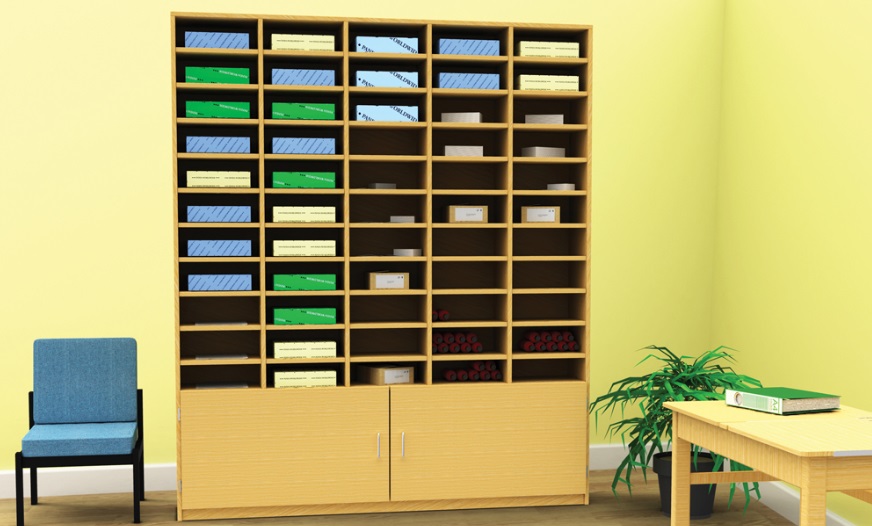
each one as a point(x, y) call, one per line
point(648, 436)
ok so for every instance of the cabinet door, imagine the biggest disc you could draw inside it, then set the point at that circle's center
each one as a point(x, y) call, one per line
point(488, 441)
point(279, 447)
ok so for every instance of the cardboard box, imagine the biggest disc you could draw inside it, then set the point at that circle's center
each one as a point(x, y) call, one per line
point(303, 77)
point(467, 214)
point(548, 82)
point(467, 116)
point(282, 379)
point(388, 280)
point(305, 111)
point(304, 145)
point(540, 214)
point(222, 75)
point(219, 214)
point(372, 44)
point(469, 80)
point(236, 248)
point(295, 42)
point(304, 282)
point(304, 248)
point(304, 349)
point(214, 39)
point(387, 113)
point(386, 374)
point(205, 144)
point(464, 151)
point(387, 79)
point(528, 48)
point(469, 46)
point(211, 282)
point(304, 214)
point(544, 118)
point(304, 180)
point(543, 151)
point(213, 179)
point(210, 109)
point(304, 316)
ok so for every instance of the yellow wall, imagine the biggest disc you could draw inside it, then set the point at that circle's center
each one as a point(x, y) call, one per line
point(793, 287)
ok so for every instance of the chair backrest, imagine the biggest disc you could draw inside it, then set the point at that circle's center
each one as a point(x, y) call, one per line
point(84, 380)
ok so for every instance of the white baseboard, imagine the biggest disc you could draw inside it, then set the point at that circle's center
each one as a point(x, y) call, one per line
point(90, 480)
point(779, 497)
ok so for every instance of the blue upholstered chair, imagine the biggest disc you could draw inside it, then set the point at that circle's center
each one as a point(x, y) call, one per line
point(85, 410)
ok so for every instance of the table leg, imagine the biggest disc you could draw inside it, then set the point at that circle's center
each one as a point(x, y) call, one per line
point(680, 511)
point(813, 492)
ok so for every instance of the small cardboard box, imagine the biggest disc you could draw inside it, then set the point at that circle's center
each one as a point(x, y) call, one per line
point(467, 214)
point(464, 151)
point(388, 280)
point(304, 282)
point(219, 248)
point(296, 42)
point(304, 316)
point(304, 248)
point(387, 79)
point(215, 39)
point(208, 282)
point(215, 179)
point(543, 118)
point(214, 109)
point(303, 77)
point(373, 44)
point(386, 374)
point(304, 145)
point(219, 214)
point(222, 75)
point(304, 214)
point(304, 111)
point(548, 82)
point(528, 48)
point(543, 151)
point(462, 116)
point(387, 113)
point(206, 144)
point(469, 46)
point(319, 349)
point(469, 80)
point(304, 180)
point(304, 379)
point(540, 214)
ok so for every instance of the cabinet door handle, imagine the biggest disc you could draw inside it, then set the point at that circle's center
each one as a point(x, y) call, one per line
point(403, 444)
point(378, 446)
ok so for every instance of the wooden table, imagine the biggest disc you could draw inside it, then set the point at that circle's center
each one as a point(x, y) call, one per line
point(818, 452)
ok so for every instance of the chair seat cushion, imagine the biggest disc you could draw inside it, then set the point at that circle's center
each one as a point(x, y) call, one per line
point(67, 440)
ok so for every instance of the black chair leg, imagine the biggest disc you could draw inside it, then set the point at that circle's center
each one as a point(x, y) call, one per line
point(34, 494)
point(142, 477)
point(137, 489)
point(19, 491)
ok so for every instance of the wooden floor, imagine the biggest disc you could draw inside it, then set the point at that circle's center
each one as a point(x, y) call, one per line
point(604, 510)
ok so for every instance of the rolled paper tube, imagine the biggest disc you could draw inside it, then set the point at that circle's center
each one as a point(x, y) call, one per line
point(435, 316)
point(496, 376)
point(551, 346)
point(529, 346)
point(471, 337)
point(448, 337)
point(546, 336)
point(491, 365)
point(479, 365)
point(573, 346)
point(532, 336)
point(449, 375)
point(462, 375)
point(465, 347)
point(460, 337)
point(556, 336)
point(443, 315)
point(485, 376)
point(477, 347)
point(443, 348)
point(454, 348)
point(541, 346)
point(437, 337)
point(563, 346)
point(473, 375)
point(568, 336)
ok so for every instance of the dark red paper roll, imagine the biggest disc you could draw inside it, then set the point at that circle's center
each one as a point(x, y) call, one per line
point(435, 316)
point(496, 376)
point(471, 337)
point(443, 314)
point(485, 376)
point(532, 336)
point(490, 365)
point(479, 365)
point(465, 347)
point(460, 337)
point(563, 346)
point(556, 336)
point(477, 347)
point(551, 346)
point(437, 337)
point(546, 336)
point(449, 375)
point(443, 348)
point(448, 337)
point(573, 346)
point(462, 375)
point(568, 336)
point(541, 346)
point(473, 375)
point(453, 348)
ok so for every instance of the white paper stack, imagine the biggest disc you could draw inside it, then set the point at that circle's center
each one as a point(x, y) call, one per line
point(462, 117)
point(544, 118)
point(464, 151)
point(402, 219)
point(561, 186)
point(382, 186)
point(407, 252)
point(543, 151)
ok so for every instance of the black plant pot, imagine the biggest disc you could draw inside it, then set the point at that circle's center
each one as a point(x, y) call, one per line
point(702, 496)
